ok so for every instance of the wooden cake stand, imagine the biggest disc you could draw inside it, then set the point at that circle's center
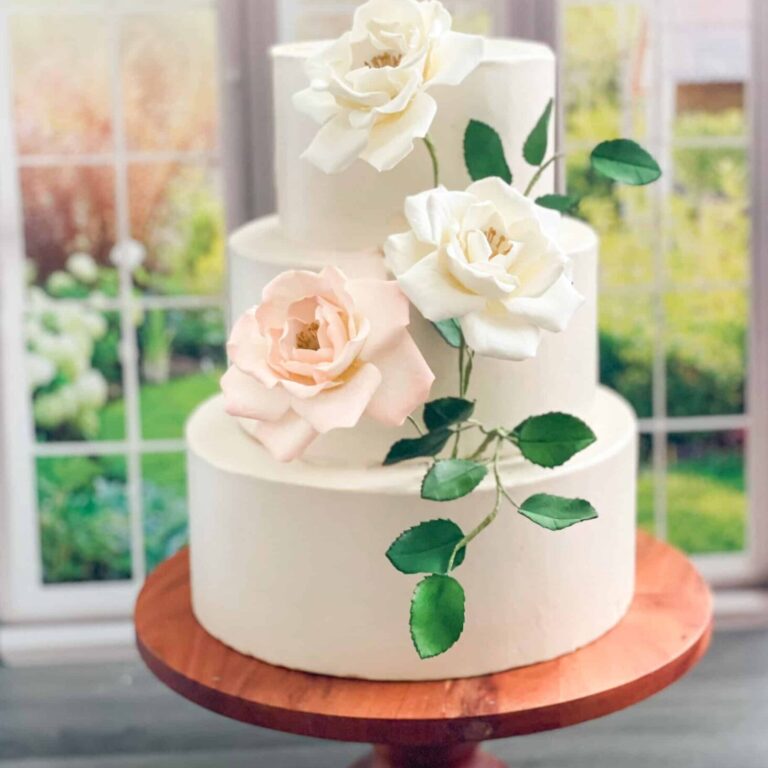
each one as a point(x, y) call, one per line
point(436, 724)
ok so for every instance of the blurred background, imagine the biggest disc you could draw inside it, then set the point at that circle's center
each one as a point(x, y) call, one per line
point(135, 133)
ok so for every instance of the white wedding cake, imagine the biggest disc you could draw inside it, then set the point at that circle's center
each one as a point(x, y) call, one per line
point(307, 551)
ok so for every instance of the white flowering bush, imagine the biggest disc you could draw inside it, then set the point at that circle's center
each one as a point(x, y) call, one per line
point(68, 391)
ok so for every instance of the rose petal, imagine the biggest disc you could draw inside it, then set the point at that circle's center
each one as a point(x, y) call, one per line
point(551, 311)
point(286, 439)
point(430, 213)
point(537, 268)
point(495, 334)
point(342, 406)
point(246, 346)
point(435, 294)
point(245, 396)
point(453, 58)
point(485, 279)
point(391, 139)
point(402, 251)
point(336, 146)
point(511, 204)
point(406, 382)
point(319, 105)
point(386, 308)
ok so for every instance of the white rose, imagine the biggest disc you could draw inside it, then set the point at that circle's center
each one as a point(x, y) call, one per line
point(40, 370)
point(128, 253)
point(60, 283)
point(83, 267)
point(92, 389)
point(54, 409)
point(369, 88)
point(490, 258)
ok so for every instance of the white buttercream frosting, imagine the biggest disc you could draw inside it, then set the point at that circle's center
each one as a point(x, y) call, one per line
point(288, 561)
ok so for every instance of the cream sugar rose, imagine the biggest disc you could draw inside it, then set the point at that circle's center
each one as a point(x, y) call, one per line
point(370, 89)
point(318, 353)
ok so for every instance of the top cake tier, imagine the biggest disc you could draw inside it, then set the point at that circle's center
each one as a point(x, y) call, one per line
point(360, 207)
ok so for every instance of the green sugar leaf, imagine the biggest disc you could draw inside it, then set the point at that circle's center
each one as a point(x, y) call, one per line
point(484, 153)
point(535, 147)
point(412, 448)
point(552, 439)
point(450, 330)
point(555, 512)
point(625, 161)
point(437, 615)
point(447, 411)
point(562, 203)
point(451, 479)
point(427, 548)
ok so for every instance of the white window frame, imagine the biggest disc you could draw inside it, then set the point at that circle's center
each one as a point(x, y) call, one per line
point(23, 595)
point(750, 568)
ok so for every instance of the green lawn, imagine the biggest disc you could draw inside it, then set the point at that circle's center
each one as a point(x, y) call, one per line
point(707, 504)
point(164, 407)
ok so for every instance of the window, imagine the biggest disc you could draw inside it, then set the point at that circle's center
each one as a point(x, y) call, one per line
point(115, 151)
point(675, 294)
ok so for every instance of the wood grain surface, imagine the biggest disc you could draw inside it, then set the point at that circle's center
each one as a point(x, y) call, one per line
point(665, 632)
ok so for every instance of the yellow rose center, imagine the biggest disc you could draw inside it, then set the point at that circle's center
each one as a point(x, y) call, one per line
point(500, 245)
point(388, 59)
point(306, 338)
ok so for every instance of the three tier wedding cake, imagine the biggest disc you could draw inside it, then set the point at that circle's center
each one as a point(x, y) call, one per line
point(412, 472)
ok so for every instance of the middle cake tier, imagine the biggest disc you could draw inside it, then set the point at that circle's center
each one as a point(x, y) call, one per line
point(562, 377)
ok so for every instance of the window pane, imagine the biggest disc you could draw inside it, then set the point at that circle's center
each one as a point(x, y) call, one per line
point(169, 81)
point(74, 370)
point(61, 83)
point(165, 505)
point(605, 62)
point(623, 217)
point(709, 57)
point(69, 210)
point(710, 231)
point(706, 495)
point(176, 212)
point(182, 359)
point(626, 348)
point(84, 524)
point(646, 487)
point(706, 354)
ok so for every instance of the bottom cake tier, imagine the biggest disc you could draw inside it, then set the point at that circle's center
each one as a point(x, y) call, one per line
point(288, 560)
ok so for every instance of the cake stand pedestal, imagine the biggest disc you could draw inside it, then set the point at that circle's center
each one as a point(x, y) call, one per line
point(436, 724)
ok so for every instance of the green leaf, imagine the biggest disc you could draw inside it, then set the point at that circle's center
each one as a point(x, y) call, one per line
point(450, 330)
point(437, 615)
point(625, 161)
point(427, 548)
point(451, 479)
point(535, 147)
point(413, 448)
point(484, 153)
point(562, 203)
point(447, 411)
point(550, 440)
point(555, 512)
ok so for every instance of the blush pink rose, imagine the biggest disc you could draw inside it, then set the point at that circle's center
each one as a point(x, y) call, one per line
point(317, 354)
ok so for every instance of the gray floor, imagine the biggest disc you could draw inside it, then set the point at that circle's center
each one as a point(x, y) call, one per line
point(118, 717)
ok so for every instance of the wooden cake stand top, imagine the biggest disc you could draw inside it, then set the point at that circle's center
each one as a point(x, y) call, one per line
point(664, 634)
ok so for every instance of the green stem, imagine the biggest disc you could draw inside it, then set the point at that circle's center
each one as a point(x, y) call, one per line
point(462, 352)
point(489, 438)
point(435, 164)
point(416, 425)
point(537, 176)
point(500, 493)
